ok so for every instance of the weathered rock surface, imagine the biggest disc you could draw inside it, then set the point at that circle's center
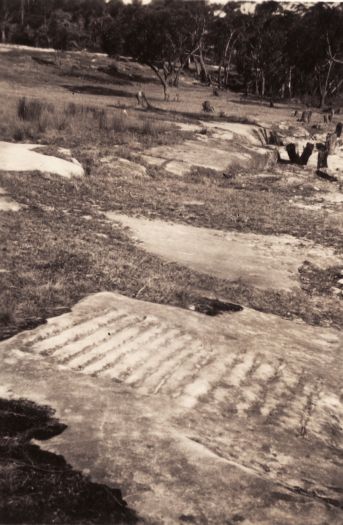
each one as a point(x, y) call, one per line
point(227, 145)
point(244, 133)
point(207, 420)
point(21, 157)
point(263, 261)
point(124, 166)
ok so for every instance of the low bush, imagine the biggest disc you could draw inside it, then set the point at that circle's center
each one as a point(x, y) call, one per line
point(32, 110)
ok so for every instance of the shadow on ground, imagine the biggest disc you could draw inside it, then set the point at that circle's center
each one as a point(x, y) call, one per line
point(99, 90)
point(127, 78)
point(40, 487)
point(191, 116)
point(278, 104)
point(79, 74)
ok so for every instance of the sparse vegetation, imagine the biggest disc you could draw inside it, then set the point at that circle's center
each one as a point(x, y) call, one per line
point(59, 247)
point(71, 123)
point(275, 51)
point(65, 249)
point(102, 257)
point(32, 110)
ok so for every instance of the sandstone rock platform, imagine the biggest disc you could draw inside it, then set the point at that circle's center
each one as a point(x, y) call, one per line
point(229, 419)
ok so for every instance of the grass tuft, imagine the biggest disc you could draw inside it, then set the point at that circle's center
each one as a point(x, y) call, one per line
point(32, 110)
point(149, 128)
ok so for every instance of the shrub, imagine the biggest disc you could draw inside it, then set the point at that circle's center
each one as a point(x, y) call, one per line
point(119, 122)
point(32, 109)
point(5, 317)
point(61, 122)
point(18, 134)
point(149, 128)
point(102, 120)
point(71, 109)
point(45, 121)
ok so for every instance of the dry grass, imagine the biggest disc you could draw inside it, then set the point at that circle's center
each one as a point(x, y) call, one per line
point(73, 124)
point(78, 73)
point(64, 248)
point(60, 248)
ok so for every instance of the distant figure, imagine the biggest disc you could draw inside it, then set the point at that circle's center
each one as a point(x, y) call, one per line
point(142, 100)
point(206, 106)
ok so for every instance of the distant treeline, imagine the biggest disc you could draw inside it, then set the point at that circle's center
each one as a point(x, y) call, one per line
point(279, 50)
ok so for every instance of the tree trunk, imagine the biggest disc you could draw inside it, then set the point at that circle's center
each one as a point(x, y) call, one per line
point(306, 117)
point(331, 143)
point(22, 11)
point(220, 74)
point(324, 89)
point(292, 153)
point(227, 65)
point(226, 76)
point(203, 74)
point(177, 78)
point(263, 85)
point(165, 91)
point(322, 159)
point(227, 70)
point(179, 71)
point(289, 84)
point(283, 90)
point(164, 81)
point(197, 66)
point(256, 83)
point(306, 154)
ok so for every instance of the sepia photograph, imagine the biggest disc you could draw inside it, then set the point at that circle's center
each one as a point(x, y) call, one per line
point(171, 262)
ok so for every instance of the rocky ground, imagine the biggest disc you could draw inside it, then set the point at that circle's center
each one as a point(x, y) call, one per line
point(192, 282)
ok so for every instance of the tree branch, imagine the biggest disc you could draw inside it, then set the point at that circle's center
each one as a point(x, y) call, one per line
point(331, 56)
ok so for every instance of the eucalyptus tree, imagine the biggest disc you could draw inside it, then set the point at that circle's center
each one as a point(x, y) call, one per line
point(316, 47)
point(261, 54)
point(165, 35)
point(227, 29)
